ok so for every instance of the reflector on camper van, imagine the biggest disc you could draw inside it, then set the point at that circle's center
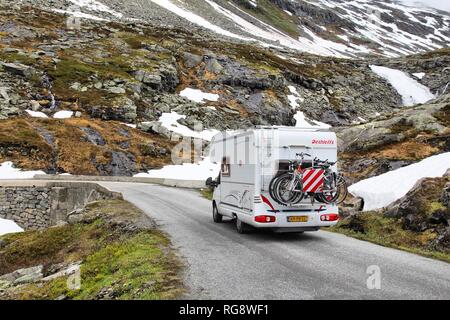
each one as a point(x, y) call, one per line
point(313, 180)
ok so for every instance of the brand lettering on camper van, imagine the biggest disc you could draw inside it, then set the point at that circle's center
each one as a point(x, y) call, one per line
point(315, 141)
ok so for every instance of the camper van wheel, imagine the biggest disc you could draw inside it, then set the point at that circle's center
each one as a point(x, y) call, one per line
point(241, 227)
point(217, 217)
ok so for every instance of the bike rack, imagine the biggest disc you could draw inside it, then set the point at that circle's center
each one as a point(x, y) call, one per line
point(300, 146)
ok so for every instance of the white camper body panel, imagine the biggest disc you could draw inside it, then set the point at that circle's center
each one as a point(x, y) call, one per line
point(250, 161)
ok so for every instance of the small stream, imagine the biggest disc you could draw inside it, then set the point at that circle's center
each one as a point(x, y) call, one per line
point(46, 82)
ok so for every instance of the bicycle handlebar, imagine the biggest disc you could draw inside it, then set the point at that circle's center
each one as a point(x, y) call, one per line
point(302, 154)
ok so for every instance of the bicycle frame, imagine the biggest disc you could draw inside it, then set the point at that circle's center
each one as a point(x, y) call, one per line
point(298, 176)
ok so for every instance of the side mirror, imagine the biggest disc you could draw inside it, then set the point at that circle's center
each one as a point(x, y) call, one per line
point(211, 183)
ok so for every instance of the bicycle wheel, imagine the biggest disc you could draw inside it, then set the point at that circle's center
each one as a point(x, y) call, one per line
point(336, 194)
point(272, 188)
point(342, 189)
point(283, 193)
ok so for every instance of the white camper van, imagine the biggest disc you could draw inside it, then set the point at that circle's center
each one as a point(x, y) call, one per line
point(251, 160)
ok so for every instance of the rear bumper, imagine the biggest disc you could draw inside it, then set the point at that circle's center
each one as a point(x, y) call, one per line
point(294, 229)
point(313, 224)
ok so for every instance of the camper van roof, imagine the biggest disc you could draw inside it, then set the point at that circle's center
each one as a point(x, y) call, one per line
point(310, 128)
point(238, 133)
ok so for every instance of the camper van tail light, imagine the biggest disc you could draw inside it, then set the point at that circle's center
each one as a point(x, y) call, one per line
point(265, 219)
point(329, 217)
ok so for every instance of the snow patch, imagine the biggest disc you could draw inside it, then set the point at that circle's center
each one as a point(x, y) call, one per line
point(7, 171)
point(8, 226)
point(303, 122)
point(63, 115)
point(170, 122)
point(412, 92)
point(95, 6)
point(294, 97)
point(198, 95)
point(36, 114)
point(269, 33)
point(419, 75)
point(78, 14)
point(195, 19)
point(382, 190)
point(187, 171)
point(253, 3)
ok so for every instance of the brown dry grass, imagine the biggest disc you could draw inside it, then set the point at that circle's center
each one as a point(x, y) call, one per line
point(74, 153)
point(408, 150)
point(20, 143)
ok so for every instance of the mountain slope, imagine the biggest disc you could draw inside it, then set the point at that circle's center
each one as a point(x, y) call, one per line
point(326, 27)
point(167, 80)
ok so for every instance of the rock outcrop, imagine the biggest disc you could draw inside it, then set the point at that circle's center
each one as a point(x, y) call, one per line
point(395, 140)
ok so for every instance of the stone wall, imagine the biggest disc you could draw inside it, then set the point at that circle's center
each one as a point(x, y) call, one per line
point(190, 184)
point(29, 207)
point(41, 205)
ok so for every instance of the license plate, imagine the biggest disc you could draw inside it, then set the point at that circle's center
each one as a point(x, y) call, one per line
point(298, 219)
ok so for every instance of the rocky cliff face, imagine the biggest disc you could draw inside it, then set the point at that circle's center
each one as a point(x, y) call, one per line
point(419, 220)
point(395, 140)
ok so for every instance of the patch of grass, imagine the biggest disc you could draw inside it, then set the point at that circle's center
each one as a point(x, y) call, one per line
point(388, 232)
point(443, 116)
point(207, 193)
point(25, 147)
point(273, 15)
point(70, 69)
point(259, 66)
point(127, 264)
point(17, 58)
point(435, 53)
point(137, 266)
point(433, 206)
point(401, 127)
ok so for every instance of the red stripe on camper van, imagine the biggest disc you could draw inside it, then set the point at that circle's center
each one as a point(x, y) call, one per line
point(266, 201)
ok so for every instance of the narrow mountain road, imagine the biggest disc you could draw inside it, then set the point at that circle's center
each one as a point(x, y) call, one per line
point(222, 264)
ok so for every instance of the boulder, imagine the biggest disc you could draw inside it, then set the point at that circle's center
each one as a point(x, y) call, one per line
point(117, 90)
point(445, 198)
point(169, 77)
point(121, 109)
point(18, 69)
point(351, 206)
point(34, 105)
point(400, 126)
point(191, 60)
point(23, 276)
point(121, 164)
point(213, 66)
point(93, 136)
point(150, 126)
point(420, 209)
point(64, 272)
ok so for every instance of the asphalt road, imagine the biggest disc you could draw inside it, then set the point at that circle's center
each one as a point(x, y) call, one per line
point(222, 264)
